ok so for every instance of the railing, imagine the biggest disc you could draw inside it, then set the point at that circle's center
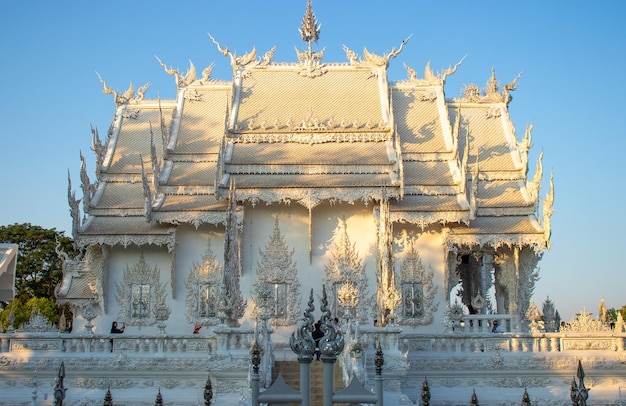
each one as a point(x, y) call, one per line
point(225, 340)
point(391, 339)
point(512, 342)
point(483, 323)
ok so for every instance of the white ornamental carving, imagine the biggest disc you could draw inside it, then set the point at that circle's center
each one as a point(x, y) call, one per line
point(140, 294)
point(346, 267)
point(584, 323)
point(418, 291)
point(276, 290)
point(203, 286)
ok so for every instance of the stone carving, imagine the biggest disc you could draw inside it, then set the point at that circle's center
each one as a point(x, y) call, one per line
point(88, 189)
point(193, 95)
point(547, 209)
point(535, 184)
point(126, 240)
point(534, 318)
point(126, 97)
point(140, 294)
point(431, 78)
point(492, 93)
point(203, 285)
point(206, 74)
point(315, 131)
point(418, 290)
point(232, 264)
point(131, 114)
point(372, 60)
point(99, 149)
point(301, 340)
point(584, 323)
point(551, 317)
point(247, 60)
point(387, 298)
point(181, 80)
point(378, 60)
point(310, 29)
point(311, 65)
point(38, 323)
point(86, 270)
point(74, 207)
point(276, 290)
point(310, 62)
point(346, 267)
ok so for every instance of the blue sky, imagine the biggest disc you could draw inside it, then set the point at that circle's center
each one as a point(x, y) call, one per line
point(572, 55)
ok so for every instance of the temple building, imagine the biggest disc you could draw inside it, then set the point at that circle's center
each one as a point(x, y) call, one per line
point(221, 210)
point(295, 175)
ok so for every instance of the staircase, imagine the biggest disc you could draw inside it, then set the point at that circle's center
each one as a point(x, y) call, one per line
point(290, 371)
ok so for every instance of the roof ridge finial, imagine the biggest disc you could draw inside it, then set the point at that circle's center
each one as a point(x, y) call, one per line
point(310, 29)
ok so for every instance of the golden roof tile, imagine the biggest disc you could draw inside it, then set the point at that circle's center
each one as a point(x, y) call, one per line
point(202, 122)
point(277, 95)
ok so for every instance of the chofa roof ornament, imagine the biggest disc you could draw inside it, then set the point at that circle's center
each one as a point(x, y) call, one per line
point(310, 62)
point(310, 29)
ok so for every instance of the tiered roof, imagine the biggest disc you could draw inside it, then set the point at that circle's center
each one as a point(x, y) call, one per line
point(311, 132)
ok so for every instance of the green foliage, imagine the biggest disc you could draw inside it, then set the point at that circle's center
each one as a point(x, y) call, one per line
point(623, 311)
point(611, 315)
point(39, 267)
point(22, 311)
point(39, 270)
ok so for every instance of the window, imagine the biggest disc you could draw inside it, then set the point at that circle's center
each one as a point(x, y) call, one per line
point(412, 300)
point(140, 301)
point(207, 300)
point(278, 304)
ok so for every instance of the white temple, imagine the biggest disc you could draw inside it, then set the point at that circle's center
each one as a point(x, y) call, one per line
point(224, 207)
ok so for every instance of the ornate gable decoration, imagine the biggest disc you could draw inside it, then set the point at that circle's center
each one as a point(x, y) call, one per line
point(310, 62)
point(418, 291)
point(276, 290)
point(82, 278)
point(431, 78)
point(247, 60)
point(372, 60)
point(126, 97)
point(492, 93)
point(140, 295)
point(203, 290)
point(584, 323)
point(346, 274)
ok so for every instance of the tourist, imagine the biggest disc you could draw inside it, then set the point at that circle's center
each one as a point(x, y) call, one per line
point(317, 336)
point(196, 329)
point(115, 330)
point(336, 326)
point(496, 327)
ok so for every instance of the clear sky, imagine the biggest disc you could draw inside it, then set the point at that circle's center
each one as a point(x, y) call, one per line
point(572, 54)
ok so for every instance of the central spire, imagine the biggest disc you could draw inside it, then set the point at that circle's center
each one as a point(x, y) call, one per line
point(310, 29)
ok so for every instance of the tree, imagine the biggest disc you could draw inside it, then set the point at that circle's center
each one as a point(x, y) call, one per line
point(22, 311)
point(611, 315)
point(39, 267)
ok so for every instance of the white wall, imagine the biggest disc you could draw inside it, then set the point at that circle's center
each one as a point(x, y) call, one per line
point(257, 231)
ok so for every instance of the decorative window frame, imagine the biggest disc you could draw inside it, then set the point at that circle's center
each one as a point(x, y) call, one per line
point(204, 278)
point(413, 272)
point(140, 274)
point(412, 299)
point(346, 272)
point(277, 268)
